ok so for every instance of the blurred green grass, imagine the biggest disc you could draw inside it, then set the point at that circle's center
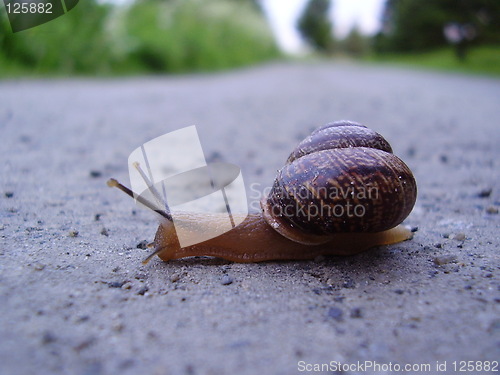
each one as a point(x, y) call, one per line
point(149, 36)
point(484, 60)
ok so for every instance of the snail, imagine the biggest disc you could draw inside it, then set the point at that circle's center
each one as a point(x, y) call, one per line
point(341, 192)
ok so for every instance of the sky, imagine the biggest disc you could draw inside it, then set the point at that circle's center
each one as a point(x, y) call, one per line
point(283, 15)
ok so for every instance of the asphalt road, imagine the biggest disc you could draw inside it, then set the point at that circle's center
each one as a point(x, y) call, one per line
point(75, 298)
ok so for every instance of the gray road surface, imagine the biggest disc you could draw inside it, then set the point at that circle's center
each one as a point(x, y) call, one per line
point(85, 305)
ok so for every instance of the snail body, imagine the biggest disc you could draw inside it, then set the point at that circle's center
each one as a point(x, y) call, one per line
point(254, 240)
point(341, 192)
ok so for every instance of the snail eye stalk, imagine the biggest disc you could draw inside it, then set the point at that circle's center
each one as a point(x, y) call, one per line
point(114, 183)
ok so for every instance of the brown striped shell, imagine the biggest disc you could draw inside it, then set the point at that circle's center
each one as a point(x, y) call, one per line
point(342, 178)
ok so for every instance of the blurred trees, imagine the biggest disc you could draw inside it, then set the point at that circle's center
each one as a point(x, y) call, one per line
point(72, 42)
point(418, 25)
point(145, 36)
point(355, 44)
point(191, 35)
point(315, 26)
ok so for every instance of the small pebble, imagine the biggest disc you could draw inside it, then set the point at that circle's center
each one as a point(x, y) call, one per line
point(127, 364)
point(356, 312)
point(104, 232)
point(414, 229)
point(39, 266)
point(97, 217)
point(444, 259)
point(25, 138)
point(127, 285)
point(95, 174)
point(83, 319)
point(438, 245)
point(116, 284)
point(143, 290)
point(215, 156)
point(226, 280)
point(485, 193)
point(73, 233)
point(299, 353)
point(48, 337)
point(458, 236)
point(189, 370)
point(492, 210)
point(443, 158)
point(175, 277)
point(84, 344)
point(152, 335)
point(142, 245)
point(494, 325)
point(335, 313)
point(118, 327)
point(349, 284)
point(399, 291)
point(9, 194)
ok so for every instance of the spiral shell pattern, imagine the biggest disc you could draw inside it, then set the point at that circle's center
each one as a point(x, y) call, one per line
point(342, 178)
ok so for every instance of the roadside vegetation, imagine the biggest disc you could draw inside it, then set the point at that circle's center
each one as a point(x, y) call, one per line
point(149, 36)
point(483, 60)
point(446, 35)
point(178, 36)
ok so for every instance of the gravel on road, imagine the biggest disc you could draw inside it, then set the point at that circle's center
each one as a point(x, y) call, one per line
point(75, 298)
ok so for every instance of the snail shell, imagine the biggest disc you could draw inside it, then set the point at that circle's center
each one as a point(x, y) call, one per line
point(342, 178)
